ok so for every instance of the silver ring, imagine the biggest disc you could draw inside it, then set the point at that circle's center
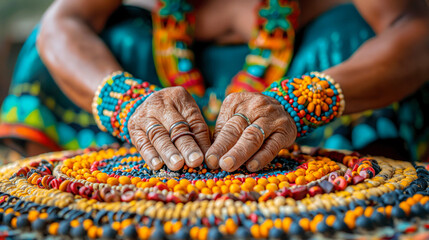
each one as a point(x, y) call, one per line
point(152, 127)
point(244, 117)
point(258, 127)
point(177, 124)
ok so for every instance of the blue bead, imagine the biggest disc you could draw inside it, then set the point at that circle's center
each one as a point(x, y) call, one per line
point(256, 70)
point(185, 65)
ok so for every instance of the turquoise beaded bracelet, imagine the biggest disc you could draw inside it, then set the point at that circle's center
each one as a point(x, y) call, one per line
point(312, 100)
point(116, 100)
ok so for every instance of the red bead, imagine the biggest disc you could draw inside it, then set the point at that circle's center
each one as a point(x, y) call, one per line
point(340, 183)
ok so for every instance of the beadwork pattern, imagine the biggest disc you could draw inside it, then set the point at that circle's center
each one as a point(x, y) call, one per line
point(110, 193)
point(312, 100)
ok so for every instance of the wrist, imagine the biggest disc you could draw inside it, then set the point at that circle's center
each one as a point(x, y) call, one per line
point(116, 99)
point(312, 100)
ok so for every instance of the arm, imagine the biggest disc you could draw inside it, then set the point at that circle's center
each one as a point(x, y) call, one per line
point(392, 65)
point(70, 48)
point(79, 61)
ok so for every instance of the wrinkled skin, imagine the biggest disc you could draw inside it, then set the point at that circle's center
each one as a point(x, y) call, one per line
point(167, 107)
point(234, 142)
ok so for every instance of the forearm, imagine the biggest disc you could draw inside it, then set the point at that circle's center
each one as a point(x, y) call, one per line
point(387, 68)
point(75, 56)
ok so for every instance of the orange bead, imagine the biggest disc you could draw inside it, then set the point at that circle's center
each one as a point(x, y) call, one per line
point(171, 183)
point(184, 182)
point(300, 180)
point(112, 181)
point(291, 177)
point(287, 221)
point(310, 177)
point(262, 181)
point(224, 189)
point(300, 172)
point(246, 187)
point(124, 180)
point(254, 230)
point(305, 224)
point(210, 183)
point(200, 184)
point(216, 189)
point(230, 226)
point(273, 180)
point(206, 191)
point(234, 188)
point(284, 184)
point(258, 188)
point(272, 187)
point(178, 188)
point(330, 220)
point(250, 181)
point(282, 177)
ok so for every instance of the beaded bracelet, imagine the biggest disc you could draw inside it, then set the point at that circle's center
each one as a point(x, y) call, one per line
point(116, 99)
point(312, 100)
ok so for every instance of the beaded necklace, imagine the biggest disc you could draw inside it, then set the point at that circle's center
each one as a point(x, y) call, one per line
point(271, 46)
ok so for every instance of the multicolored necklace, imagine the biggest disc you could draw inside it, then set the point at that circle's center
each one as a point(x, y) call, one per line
point(271, 46)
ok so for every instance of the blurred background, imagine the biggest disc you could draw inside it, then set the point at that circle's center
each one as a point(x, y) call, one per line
point(17, 19)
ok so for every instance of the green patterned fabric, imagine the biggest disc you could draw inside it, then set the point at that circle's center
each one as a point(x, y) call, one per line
point(36, 101)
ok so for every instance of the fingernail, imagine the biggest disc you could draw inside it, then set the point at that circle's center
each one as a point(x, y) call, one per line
point(227, 163)
point(155, 161)
point(213, 161)
point(195, 156)
point(175, 159)
point(253, 165)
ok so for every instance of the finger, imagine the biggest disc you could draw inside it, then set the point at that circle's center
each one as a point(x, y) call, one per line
point(160, 139)
point(268, 151)
point(247, 145)
point(199, 127)
point(185, 143)
point(225, 140)
point(145, 148)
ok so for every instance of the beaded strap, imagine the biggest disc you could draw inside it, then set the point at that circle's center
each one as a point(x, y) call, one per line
point(116, 99)
point(271, 46)
point(312, 100)
point(173, 28)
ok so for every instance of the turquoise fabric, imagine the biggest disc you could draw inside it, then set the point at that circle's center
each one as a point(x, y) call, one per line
point(325, 42)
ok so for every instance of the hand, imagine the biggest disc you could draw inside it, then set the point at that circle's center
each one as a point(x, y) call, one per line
point(235, 143)
point(167, 107)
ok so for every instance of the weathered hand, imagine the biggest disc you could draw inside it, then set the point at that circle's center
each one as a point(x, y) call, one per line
point(237, 143)
point(166, 108)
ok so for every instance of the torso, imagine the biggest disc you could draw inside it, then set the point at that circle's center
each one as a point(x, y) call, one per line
point(232, 21)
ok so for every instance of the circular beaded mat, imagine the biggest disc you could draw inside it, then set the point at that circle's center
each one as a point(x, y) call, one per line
point(111, 194)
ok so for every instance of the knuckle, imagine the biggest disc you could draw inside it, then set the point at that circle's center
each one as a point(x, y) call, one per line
point(186, 144)
point(232, 128)
point(198, 127)
point(156, 135)
point(230, 98)
point(179, 129)
point(274, 146)
point(178, 90)
point(253, 137)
